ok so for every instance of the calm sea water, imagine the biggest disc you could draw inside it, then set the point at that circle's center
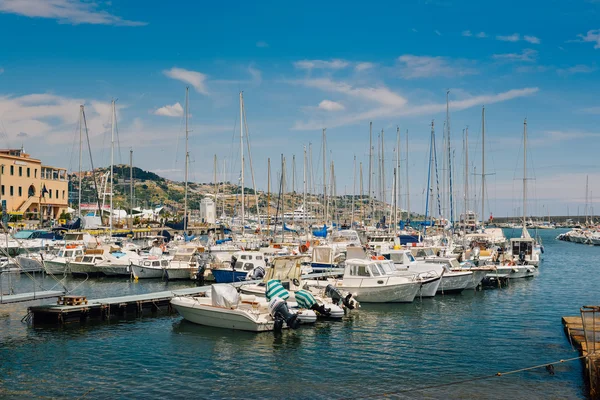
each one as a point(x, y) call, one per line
point(395, 349)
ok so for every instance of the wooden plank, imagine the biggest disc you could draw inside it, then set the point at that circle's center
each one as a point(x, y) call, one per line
point(20, 297)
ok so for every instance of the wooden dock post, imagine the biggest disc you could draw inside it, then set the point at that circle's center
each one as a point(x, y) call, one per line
point(584, 333)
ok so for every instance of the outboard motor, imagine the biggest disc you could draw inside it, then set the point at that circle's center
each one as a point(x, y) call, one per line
point(522, 257)
point(233, 262)
point(257, 273)
point(280, 312)
point(201, 260)
point(338, 298)
point(305, 299)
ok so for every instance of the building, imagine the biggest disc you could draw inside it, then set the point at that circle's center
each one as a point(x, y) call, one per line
point(28, 187)
point(208, 211)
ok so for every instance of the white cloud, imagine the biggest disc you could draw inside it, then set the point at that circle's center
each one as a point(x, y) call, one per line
point(592, 110)
point(592, 36)
point(389, 104)
point(176, 110)
point(196, 79)
point(414, 30)
point(576, 69)
point(467, 33)
point(531, 39)
point(65, 11)
point(321, 64)
point(362, 66)
point(1, 70)
point(515, 37)
point(262, 43)
point(527, 55)
point(438, 32)
point(481, 35)
point(412, 66)
point(329, 105)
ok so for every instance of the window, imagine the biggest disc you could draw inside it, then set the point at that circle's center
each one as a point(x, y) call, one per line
point(2, 190)
point(63, 195)
point(12, 169)
point(50, 193)
point(57, 193)
point(35, 173)
point(20, 171)
point(12, 191)
point(20, 191)
point(2, 169)
point(28, 172)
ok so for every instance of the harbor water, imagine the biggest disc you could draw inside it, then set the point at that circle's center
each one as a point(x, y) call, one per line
point(403, 350)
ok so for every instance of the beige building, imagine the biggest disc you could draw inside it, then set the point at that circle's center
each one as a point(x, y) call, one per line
point(30, 187)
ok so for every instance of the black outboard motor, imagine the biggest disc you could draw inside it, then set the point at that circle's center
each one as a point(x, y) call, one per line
point(256, 274)
point(280, 312)
point(338, 298)
point(233, 262)
point(201, 260)
point(522, 257)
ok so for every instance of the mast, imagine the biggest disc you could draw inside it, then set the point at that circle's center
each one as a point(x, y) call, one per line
point(586, 199)
point(397, 179)
point(451, 199)
point(282, 199)
point(524, 176)
point(131, 187)
point(353, 193)
point(370, 166)
point(187, 156)
point(383, 169)
point(268, 196)
point(112, 161)
point(362, 205)
point(293, 174)
point(483, 167)
point(304, 193)
point(242, 158)
point(215, 179)
point(466, 176)
point(428, 179)
point(325, 204)
point(407, 183)
point(80, 156)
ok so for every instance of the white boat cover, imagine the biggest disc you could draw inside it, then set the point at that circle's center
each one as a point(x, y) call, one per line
point(224, 296)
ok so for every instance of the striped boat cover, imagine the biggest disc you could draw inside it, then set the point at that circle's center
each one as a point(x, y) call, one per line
point(305, 299)
point(276, 289)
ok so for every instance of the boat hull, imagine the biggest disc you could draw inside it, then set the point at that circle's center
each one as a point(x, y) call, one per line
point(228, 275)
point(56, 267)
point(146, 272)
point(455, 282)
point(220, 317)
point(399, 293)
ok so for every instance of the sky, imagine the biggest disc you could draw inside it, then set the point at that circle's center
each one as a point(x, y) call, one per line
point(307, 66)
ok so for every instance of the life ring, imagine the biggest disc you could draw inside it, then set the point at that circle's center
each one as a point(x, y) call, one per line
point(163, 247)
point(71, 246)
point(303, 248)
point(377, 258)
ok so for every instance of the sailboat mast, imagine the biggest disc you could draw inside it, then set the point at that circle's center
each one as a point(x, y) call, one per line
point(451, 199)
point(131, 187)
point(370, 167)
point(383, 169)
point(407, 183)
point(362, 205)
point(483, 167)
point(398, 179)
point(524, 174)
point(428, 179)
point(304, 216)
point(466, 177)
point(80, 155)
point(325, 204)
point(353, 193)
point(187, 155)
point(242, 158)
point(112, 161)
point(268, 196)
point(282, 199)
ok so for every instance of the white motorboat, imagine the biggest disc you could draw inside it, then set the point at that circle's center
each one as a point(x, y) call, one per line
point(58, 264)
point(105, 260)
point(184, 264)
point(430, 273)
point(368, 282)
point(226, 308)
point(241, 264)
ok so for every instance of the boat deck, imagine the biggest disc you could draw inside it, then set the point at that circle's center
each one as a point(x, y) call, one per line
point(21, 297)
point(587, 341)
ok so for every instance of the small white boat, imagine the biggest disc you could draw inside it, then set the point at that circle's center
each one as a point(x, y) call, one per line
point(226, 308)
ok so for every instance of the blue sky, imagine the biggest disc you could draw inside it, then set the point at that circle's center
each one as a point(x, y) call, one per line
point(304, 67)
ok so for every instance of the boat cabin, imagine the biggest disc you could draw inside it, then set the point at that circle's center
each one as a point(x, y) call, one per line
point(247, 260)
point(521, 249)
point(368, 268)
point(399, 257)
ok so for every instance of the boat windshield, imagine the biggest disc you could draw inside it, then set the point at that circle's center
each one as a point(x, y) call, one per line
point(387, 267)
point(397, 258)
point(182, 257)
point(23, 235)
point(68, 253)
point(376, 270)
point(69, 237)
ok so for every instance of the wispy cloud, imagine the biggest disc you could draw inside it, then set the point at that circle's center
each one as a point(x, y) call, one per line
point(438, 32)
point(328, 105)
point(321, 64)
point(176, 110)
point(262, 43)
point(576, 69)
point(592, 36)
point(412, 66)
point(385, 103)
point(467, 33)
point(65, 11)
point(363, 66)
point(1, 70)
point(527, 55)
point(194, 78)
point(515, 37)
point(592, 110)
point(481, 35)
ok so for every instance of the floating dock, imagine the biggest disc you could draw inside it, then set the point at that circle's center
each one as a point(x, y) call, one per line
point(124, 306)
point(584, 333)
